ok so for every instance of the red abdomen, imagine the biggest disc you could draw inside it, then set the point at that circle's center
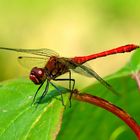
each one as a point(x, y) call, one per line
point(122, 49)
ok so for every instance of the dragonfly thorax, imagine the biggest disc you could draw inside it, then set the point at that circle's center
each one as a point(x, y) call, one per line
point(38, 75)
point(55, 67)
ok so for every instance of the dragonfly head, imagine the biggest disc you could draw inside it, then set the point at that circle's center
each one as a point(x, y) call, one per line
point(38, 75)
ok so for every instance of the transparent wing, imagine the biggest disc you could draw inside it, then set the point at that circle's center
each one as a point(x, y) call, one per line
point(30, 62)
point(41, 52)
point(82, 69)
point(78, 68)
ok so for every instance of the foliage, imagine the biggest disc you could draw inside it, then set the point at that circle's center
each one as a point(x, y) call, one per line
point(20, 120)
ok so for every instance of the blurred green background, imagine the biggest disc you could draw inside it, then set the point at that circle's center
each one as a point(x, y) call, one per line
point(71, 28)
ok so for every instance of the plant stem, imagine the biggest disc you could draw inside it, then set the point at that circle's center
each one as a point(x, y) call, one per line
point(120, 113)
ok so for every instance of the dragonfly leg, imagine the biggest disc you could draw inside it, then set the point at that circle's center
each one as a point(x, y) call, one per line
point(59, 92)
point(45, 92)
point(71, 88)
point(37, 92)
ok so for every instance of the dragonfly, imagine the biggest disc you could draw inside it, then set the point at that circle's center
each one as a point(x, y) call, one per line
point(56, 66)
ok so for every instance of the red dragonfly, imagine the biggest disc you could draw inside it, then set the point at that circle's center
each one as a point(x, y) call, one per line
point(56, 66)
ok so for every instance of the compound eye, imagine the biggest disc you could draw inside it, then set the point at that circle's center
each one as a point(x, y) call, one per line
point(37, 75)
point(40, 72)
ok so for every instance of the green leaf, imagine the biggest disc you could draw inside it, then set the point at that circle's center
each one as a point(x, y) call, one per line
point(20, 120)
point(131, 67)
